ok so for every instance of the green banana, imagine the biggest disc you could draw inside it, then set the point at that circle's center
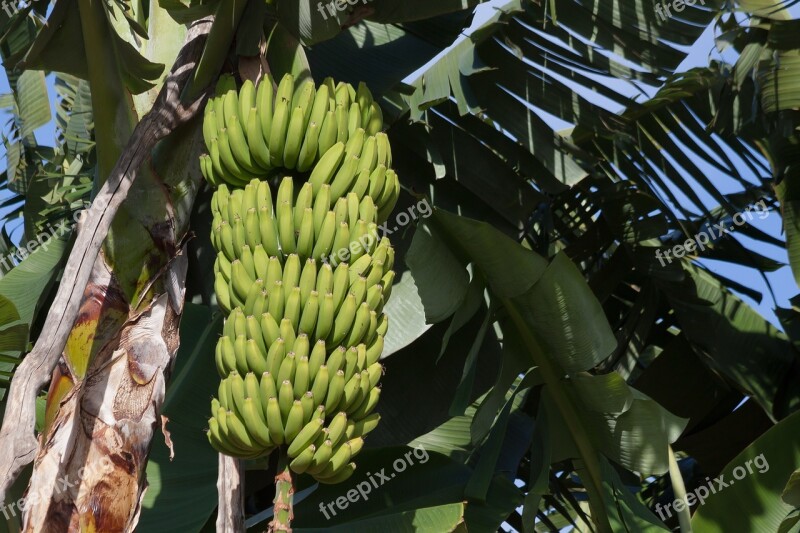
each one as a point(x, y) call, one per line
point(294, 137)
point(326, 167)
point(306, 437)
point(277, 132)
point(264, 100)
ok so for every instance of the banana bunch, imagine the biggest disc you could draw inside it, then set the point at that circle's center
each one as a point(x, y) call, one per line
point(254, 130)
point(310, 314)
point(303, 276)
point(323, 427)
point(247, 227)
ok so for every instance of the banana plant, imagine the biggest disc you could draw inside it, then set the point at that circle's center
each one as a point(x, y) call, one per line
point(537, 336)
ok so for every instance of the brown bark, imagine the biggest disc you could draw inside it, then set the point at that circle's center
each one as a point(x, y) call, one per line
point(89, 472)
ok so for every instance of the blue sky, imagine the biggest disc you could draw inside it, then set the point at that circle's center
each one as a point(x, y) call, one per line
point(781, 282)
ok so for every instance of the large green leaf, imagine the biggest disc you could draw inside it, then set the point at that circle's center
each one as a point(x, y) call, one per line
point(406, 470)
point(752, 484)
point(28, 281)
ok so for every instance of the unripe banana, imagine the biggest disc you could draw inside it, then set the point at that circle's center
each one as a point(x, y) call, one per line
point(291, 273)
point(287, 333)
point(375, 297)
point(255, 425)
point(285, 398)
point(246, 259)
point(301, 463)
point(263, 197)
point(264, 103)
point(309, 407)
point(375, 120)
point(275, 356)
point(255, 139)
point(360, 325)
point(252, 231)
point(301, 348)
point(328, 133)
point(270, 330)
point(327, 314)
point(336, 360)
point(304, 97)
point(342, 123)
point(351, 393)
point(308, 150)
point(256, 361)
point(222, 292)
point(368, 404)
point(230, 166)
point(308, 279)
point(325, 279)
point(240, 280)
point(294, 421)
point(326, 167)
point(294, 138)
point(342, 210)
point(261, 262)
point(275, 421)
point(364, 99)
point(267, 390)
point(321, 458)
point(320, 105)
point(341, 285)
point(324, 241)
point(377, 181)
point(308, 318)
point(269, 231)
point(305, 237)
point(353, 118)
point(320, 385)
point(335, 392)
point(359, 268)
point(274, 274)
point(292, 309)
point(374, 350)
point(331, 85)
point(353, 207)
point(384, 150)
point(316, 360)
point(306, 437)
point(207, 169)
point(366, 424)
point(355, 144)
point(239, 146)
point(350, 363)
point(388, 282)
point(338, 467)
point(240, 350)
point(286, 371)
point(361, 184)
point(342, 95)
point(210, 124)
point(322, 203)
point(336, 428)
point(341, 244)
point(286, 89)
point(344, 177)
point(226, 240)
point(247, 99)
point(286, 228)
point(277, 132)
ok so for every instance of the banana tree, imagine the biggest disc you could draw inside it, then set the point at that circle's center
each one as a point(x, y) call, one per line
point(537, 340)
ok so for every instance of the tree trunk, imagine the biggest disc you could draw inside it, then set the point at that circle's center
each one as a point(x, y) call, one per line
point(230, 510)
point(89, 471)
